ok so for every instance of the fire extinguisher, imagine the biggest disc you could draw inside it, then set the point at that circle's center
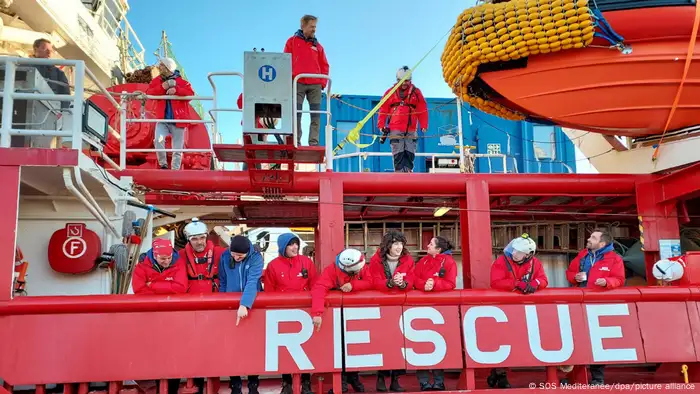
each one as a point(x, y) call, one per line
point(20, 272)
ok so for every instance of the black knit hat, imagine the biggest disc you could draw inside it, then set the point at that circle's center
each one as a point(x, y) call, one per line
point(240, 244)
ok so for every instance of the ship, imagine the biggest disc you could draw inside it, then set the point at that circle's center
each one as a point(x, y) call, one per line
point(83, 198)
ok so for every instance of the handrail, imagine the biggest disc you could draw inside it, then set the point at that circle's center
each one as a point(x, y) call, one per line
point(124, 120)
point(328, 129)
point(9, 95)
point(459, 156)
point(433, 155)
point(127, 303)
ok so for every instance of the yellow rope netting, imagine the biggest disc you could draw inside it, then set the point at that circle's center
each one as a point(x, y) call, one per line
point(509, 31)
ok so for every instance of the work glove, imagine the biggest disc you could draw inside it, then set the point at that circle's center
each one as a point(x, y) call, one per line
point(385, 133)
point(525, 287)
point(170, 92)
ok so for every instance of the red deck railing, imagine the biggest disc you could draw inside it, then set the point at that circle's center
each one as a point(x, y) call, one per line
point(73, 339)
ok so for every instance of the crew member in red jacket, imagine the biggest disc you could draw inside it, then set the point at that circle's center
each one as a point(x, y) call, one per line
point(348, 274)
point(597, 267)
point(392, 269)
point(517, 269)
point(404, 109)
point(308, 57)
point(170, 83)
point(201, 259)
point(290, 272)
point(158, 271)
point(437, 271)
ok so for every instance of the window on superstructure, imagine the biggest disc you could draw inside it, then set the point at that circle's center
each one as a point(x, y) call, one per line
point(544, 142)
point(91, 4)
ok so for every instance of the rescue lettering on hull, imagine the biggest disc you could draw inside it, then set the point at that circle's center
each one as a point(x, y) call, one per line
point(518, 335)
point(273, 341)
point(494, 336)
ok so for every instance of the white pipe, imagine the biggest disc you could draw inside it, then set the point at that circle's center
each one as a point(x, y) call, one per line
point(295, 111)
point(433, 155)
point(110, 161)
point(107, 94)
point(8, 103)
point(71, 188)
point(460, 135)
point(44, 133)
point(19, 35)
point(86, 192)
point(122, 133)
point(42, 61)
point(43, 96)
point(78, 95)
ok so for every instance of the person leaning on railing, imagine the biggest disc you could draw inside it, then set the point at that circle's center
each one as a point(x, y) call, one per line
point(170, 83)
point(240, 271)
point(392, 272)
point(348, 274)
point(435, 272)
point(159, 272)
point(517, 269)
point(597, 267)
point(290, 272)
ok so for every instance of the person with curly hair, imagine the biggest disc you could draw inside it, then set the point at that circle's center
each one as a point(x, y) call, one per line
point(392, 269)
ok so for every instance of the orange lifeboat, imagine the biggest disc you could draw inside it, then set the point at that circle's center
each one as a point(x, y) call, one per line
point(620, 78)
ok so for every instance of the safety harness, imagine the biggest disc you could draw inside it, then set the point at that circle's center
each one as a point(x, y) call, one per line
point(208, 259)
point(405, 101)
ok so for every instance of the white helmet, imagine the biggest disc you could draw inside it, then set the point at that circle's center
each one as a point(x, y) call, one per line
point(195, 228)
point(350, 260)
point(169, 63)
point(524, 244)
point(668, 271)
point(402, 72)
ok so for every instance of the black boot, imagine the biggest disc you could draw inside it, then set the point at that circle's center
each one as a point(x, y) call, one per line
point(286, 388)
point(425, 386)
point(597, 374)
point(253, 385)
point(354, 380)
point(395, 386)
point(236, 385)
point(305, 385)
point(381, 384)
point(498, 379)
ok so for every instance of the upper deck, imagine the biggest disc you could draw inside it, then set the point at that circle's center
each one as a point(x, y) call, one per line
point(326, 200)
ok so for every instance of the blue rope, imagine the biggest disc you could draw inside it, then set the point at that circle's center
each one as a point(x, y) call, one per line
point(610, 40)
point(607, 31)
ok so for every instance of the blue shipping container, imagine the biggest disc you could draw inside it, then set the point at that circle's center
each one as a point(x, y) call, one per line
point(529, 148)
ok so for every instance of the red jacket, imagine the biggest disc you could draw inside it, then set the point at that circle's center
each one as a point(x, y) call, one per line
point(284, 274)
point(172, 280)
point(332, 278)
point(308, 57)
point(407, 116)
point(611, 267)
point(181, 108)
point(205, 264)
point(429, 267)
point(502, 278)
point(380, 279)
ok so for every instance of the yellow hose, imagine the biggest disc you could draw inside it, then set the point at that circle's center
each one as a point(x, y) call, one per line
point(510, 31)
